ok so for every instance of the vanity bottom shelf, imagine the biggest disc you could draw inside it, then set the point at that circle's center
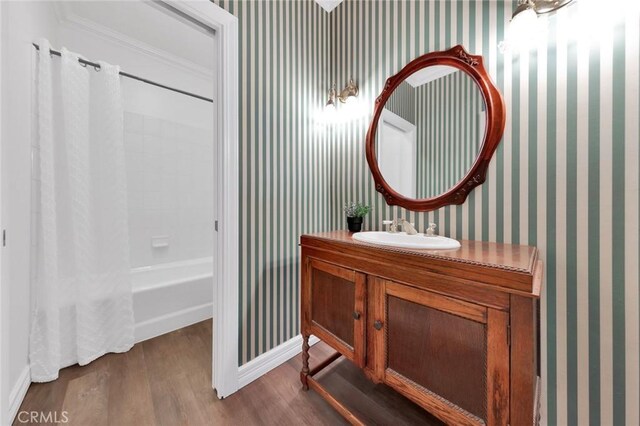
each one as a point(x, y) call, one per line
point(358, 400)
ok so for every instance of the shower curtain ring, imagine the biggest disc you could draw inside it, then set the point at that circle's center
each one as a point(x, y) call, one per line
point(96, 67)
point(83, 64)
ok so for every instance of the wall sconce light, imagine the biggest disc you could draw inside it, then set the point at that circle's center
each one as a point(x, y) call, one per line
point(331, 102)
point(346, 96)
point(351, 89)
point(524, 24)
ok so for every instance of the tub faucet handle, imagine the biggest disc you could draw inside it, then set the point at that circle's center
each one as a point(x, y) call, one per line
point(431, 230)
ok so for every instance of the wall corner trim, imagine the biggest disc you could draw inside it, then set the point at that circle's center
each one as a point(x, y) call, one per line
point(271, 359)
point(18, 392)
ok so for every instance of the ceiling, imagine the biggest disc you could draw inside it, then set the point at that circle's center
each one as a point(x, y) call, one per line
point(145, 24)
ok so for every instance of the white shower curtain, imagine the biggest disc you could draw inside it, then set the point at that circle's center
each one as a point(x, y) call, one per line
point(82, 300)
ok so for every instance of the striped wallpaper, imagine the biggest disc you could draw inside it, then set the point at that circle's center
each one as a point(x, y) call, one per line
point(402, 102)
point(449, 114)
point(284, 79)
point(566, 177)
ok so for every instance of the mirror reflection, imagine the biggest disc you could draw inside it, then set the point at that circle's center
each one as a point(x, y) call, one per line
point(430, 131)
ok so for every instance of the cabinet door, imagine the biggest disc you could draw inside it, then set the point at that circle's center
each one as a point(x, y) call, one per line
point(335, 309)
point(448, 355)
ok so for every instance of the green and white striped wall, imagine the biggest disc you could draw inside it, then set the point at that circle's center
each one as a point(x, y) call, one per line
point(565, 177)
point(402, 102)
point(448, 136)
point(284, 79)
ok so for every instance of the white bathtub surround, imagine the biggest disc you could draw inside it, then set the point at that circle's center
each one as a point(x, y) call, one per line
point(170, 175)
point(170, 296)
point(82, 298)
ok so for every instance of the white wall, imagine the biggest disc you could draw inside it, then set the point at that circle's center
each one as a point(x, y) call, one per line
point(23, 22)
point(95, 46)
point(170, 185)
point(169, 148)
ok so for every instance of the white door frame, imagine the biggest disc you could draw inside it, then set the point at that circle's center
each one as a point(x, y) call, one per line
point(226, 281)
point(4, 393)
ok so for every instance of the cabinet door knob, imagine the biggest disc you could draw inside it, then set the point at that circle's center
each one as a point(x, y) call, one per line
point(356, 315)
point(377, 325)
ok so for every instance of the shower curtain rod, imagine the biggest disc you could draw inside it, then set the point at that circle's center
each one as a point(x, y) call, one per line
point(131, 76)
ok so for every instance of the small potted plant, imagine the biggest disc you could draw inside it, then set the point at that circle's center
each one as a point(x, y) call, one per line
point(355, 212)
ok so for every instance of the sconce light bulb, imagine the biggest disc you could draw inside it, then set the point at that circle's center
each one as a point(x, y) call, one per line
point(523, 29)
point(329, 113)
point(524, 19)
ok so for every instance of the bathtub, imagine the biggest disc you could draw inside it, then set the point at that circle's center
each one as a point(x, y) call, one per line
point(170, 296)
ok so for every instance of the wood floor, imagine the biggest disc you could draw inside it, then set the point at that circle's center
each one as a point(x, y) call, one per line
point(167, 381)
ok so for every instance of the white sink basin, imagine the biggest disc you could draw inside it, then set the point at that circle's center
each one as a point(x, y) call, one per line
point(401, 239)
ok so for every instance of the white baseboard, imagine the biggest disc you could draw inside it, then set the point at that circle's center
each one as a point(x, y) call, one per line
point(18, 392)
point(175, 320)
point(266, 362)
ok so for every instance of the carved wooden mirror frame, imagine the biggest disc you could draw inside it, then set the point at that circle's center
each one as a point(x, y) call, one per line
point(459, 58)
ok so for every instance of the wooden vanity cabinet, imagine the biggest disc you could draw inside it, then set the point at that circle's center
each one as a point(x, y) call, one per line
point(455, 332)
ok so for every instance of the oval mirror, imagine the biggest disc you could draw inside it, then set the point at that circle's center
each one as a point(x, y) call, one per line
point(435, 128)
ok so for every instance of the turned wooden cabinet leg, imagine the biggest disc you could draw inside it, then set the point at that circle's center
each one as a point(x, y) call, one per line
point(304, 374)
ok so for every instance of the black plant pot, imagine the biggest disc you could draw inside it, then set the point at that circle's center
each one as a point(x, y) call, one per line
point(355, 224)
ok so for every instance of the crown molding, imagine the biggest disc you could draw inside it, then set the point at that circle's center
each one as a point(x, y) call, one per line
point(72, 21)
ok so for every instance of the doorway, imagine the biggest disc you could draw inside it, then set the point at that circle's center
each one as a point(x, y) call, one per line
point(225, 186)
point(226, 281)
